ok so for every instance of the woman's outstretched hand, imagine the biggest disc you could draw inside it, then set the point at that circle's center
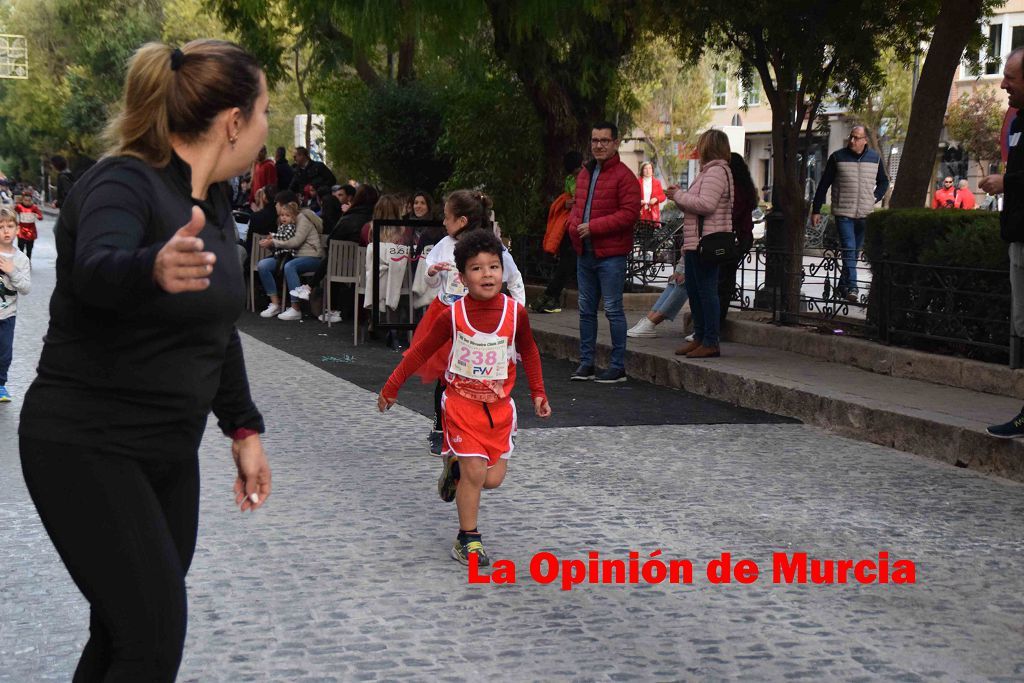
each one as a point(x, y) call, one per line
point(182, 265)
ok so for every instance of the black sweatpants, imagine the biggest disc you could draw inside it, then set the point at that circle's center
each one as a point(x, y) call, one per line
point(126, 531)
point(565, 270)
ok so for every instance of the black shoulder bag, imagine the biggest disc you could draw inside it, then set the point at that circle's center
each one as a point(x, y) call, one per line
point(718, 247)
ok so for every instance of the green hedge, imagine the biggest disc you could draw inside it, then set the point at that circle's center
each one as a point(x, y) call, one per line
point(936, 237)
point(967, 306)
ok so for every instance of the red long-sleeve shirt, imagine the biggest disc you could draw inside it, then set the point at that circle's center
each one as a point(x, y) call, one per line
point(483, 315)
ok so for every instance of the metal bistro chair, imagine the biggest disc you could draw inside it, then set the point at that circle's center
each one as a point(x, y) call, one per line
point(257, 253)
point(345, 264)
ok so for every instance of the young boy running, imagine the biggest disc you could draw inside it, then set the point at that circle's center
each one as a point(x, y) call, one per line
point(15, 280)
point(486, 329)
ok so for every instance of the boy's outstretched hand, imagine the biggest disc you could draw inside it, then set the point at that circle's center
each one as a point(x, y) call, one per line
point(541, 407)
point(384, 403)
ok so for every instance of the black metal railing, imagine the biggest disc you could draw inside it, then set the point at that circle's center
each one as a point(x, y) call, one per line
point(655, 251)
point(944, 309)
point(953, 310)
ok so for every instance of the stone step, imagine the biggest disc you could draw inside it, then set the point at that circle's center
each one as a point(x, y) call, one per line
point(935, 420)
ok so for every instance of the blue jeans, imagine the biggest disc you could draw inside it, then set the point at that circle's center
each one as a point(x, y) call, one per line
point(602, 277)
point(292, 270)
point(702, 287)
point(671, 300)
point(6, 347)
point(851, 234)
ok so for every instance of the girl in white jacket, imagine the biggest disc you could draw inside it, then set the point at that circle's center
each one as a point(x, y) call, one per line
point(464, 210)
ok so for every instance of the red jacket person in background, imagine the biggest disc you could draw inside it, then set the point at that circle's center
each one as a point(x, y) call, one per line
point(606, 207)
point(945, 196)
point(651, 193)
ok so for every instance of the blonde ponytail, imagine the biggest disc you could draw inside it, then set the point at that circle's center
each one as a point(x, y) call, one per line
point(179, 91)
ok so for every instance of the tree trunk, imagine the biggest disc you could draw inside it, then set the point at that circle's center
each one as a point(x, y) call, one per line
point(300, 82)
point(788, 196)
point(956, 23)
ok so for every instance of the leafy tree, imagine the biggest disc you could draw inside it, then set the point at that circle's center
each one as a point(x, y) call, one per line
point(567, 56)
point(956, 29)
point(974, 121)
point(803, 51)
point(672, 99)
point(886, 112)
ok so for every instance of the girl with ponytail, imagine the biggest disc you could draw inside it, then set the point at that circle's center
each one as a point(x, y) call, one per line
point(464, 211)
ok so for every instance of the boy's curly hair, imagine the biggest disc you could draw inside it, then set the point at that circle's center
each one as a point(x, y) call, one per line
point(475, 242)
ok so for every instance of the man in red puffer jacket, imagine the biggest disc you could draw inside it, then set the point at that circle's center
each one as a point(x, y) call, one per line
point(606, 207)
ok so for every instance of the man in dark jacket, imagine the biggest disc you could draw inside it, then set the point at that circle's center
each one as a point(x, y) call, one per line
point(606, 207)
point(64, 179)
point(858, 182)
point(1011, 220)
point(283, 168)
point(309, 172)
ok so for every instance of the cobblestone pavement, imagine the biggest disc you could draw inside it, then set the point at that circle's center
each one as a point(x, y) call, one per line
point(344, 575)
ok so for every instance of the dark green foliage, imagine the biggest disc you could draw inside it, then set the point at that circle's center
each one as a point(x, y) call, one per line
point(493, 135)
point(390, 134)
point(950, 238)
point(940, 280)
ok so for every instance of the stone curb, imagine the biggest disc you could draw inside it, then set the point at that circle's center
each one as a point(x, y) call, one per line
point(870, 420)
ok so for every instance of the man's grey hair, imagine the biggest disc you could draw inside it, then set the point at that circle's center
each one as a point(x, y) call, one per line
point(963, 184)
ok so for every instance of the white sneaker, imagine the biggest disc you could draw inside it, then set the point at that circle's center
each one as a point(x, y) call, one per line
point(644, 328)
point(272, 310)
point(688, 338)
point(290, 314)
point(330, 317)
point(301, 292)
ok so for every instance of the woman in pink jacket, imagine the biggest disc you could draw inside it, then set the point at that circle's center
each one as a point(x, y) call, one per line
point(710, 197)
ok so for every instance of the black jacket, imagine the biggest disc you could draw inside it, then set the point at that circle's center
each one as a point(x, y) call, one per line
point(127, 368)
point(1011, 220)
point(350, 225)
point(64, 182)
point(316, 174)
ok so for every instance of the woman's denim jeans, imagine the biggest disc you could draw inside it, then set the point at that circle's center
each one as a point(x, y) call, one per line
point(671, 301)
point(298, 265)
point(702, 286)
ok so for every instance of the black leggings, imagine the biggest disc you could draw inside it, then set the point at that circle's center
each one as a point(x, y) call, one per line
point(126, 531)
point(565, 270)
point(26, 246)
point(438, 393)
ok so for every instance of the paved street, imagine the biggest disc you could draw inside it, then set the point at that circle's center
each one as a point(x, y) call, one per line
point(345, 575)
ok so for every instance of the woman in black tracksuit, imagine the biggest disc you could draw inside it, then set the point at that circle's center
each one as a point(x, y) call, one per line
point(141, 346)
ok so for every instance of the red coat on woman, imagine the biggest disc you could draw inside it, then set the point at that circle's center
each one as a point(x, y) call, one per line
point(652, 212)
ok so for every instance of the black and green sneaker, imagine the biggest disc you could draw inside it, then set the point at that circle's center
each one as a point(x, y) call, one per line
point(551, 306)
point(1014, 429)
point(448, 479)
point(466, 545)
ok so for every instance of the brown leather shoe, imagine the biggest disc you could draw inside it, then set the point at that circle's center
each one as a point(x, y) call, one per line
point(704, 352)
point(686, 348)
